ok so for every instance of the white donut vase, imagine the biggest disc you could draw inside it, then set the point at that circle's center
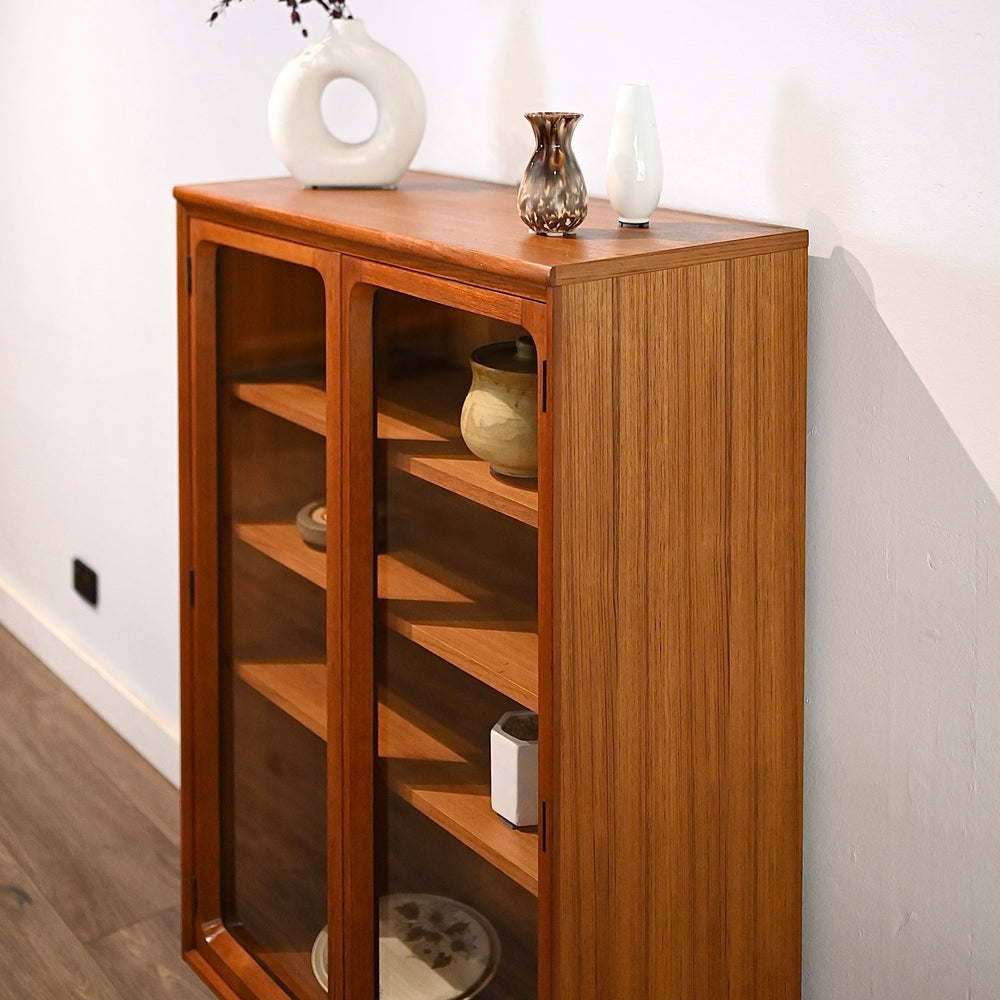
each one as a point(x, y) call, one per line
point(313, 155)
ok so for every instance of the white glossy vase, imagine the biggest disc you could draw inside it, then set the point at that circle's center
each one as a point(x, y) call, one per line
point(313, 155)
point(635, 160)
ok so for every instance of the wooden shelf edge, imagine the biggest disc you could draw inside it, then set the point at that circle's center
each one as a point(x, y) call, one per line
point(449, 789)
point(461, 473)
point(302, 403)
point(433, 450)
point(503, 655)
point(298, 689)
point(419, 445)
point(513, 672)
point(468, 816)
point(282, 543)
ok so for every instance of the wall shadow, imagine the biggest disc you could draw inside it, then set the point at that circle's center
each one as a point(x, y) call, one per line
point(902, 754)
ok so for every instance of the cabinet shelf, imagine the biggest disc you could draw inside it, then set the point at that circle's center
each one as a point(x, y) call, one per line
point(433, 450)
point(436, 770)
point(296, 688)
point(282, 543)
point(303, 403)
point(465, 625)
point(418, 444)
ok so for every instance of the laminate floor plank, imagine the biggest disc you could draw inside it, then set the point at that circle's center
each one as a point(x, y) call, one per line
point(144, 960)
point(39, 955)
point(89, 855)
point(23, 678)
point(114, 852)
point(69, 719)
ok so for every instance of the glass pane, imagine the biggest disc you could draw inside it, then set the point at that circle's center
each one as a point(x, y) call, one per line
point(456, 650)
point(271, 335)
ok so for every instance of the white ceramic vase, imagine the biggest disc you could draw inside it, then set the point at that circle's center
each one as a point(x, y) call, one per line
point(313, 155)
point(635, 160)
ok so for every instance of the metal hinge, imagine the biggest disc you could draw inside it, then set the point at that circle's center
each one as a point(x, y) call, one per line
point(545, 386)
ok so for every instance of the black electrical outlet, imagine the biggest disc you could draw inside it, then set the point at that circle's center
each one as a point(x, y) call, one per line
point(85, 581)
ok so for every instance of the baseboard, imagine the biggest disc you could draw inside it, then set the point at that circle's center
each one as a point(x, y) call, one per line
point(134, 721)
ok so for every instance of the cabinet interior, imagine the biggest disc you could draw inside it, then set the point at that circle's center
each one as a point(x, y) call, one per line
point(456, 639)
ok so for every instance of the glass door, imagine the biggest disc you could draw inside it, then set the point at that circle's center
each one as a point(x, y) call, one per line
point(271, 319)
point(455, 651)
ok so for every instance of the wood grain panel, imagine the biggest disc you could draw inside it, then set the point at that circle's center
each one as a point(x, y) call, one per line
point(767, 581)
point(678, 677)
point(583, 826)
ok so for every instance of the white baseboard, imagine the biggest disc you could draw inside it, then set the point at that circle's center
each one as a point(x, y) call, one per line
point(133, 720)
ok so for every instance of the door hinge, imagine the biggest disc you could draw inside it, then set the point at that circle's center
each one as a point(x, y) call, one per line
point(189, 275)
point(544, 827)
point(191, 587)
point(545, 385)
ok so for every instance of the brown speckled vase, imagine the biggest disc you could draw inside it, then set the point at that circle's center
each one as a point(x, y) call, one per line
point(552, 198)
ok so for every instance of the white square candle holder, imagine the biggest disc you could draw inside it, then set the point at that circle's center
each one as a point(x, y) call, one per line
point(514, 768)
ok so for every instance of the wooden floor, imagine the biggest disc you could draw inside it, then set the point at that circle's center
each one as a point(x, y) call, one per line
point(89, 852)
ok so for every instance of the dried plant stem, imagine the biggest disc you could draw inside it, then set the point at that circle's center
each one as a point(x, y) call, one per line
point(335, 8)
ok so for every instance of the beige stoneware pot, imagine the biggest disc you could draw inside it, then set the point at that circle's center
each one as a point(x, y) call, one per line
point(500, 413)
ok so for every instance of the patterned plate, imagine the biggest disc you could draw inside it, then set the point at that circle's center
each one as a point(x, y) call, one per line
point(433, 948)
point(430, 948)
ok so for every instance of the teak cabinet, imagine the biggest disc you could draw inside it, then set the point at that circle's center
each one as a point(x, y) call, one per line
point(644, 596)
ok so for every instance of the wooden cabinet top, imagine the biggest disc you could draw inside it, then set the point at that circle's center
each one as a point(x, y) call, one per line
point(455, 226)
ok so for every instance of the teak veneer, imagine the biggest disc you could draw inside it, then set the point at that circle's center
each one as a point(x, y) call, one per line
point(644, 595)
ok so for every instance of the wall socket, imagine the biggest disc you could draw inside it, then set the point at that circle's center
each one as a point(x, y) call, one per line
point(85, 581)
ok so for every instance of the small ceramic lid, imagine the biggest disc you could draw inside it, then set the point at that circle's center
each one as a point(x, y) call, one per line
point(509, 356)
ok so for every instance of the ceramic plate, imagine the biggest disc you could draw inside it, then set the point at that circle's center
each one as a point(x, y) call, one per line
point(319, 959)
point(430, 948)
point(433, 948)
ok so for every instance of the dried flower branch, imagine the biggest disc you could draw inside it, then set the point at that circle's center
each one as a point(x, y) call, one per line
point(335, 8)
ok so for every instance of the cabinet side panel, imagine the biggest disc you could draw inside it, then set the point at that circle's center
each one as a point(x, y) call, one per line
point(641, 449)
point(677, 818)
point(764, 826)
point(582, 831)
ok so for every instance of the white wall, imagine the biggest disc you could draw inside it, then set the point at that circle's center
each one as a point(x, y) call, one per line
point(876, 128)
